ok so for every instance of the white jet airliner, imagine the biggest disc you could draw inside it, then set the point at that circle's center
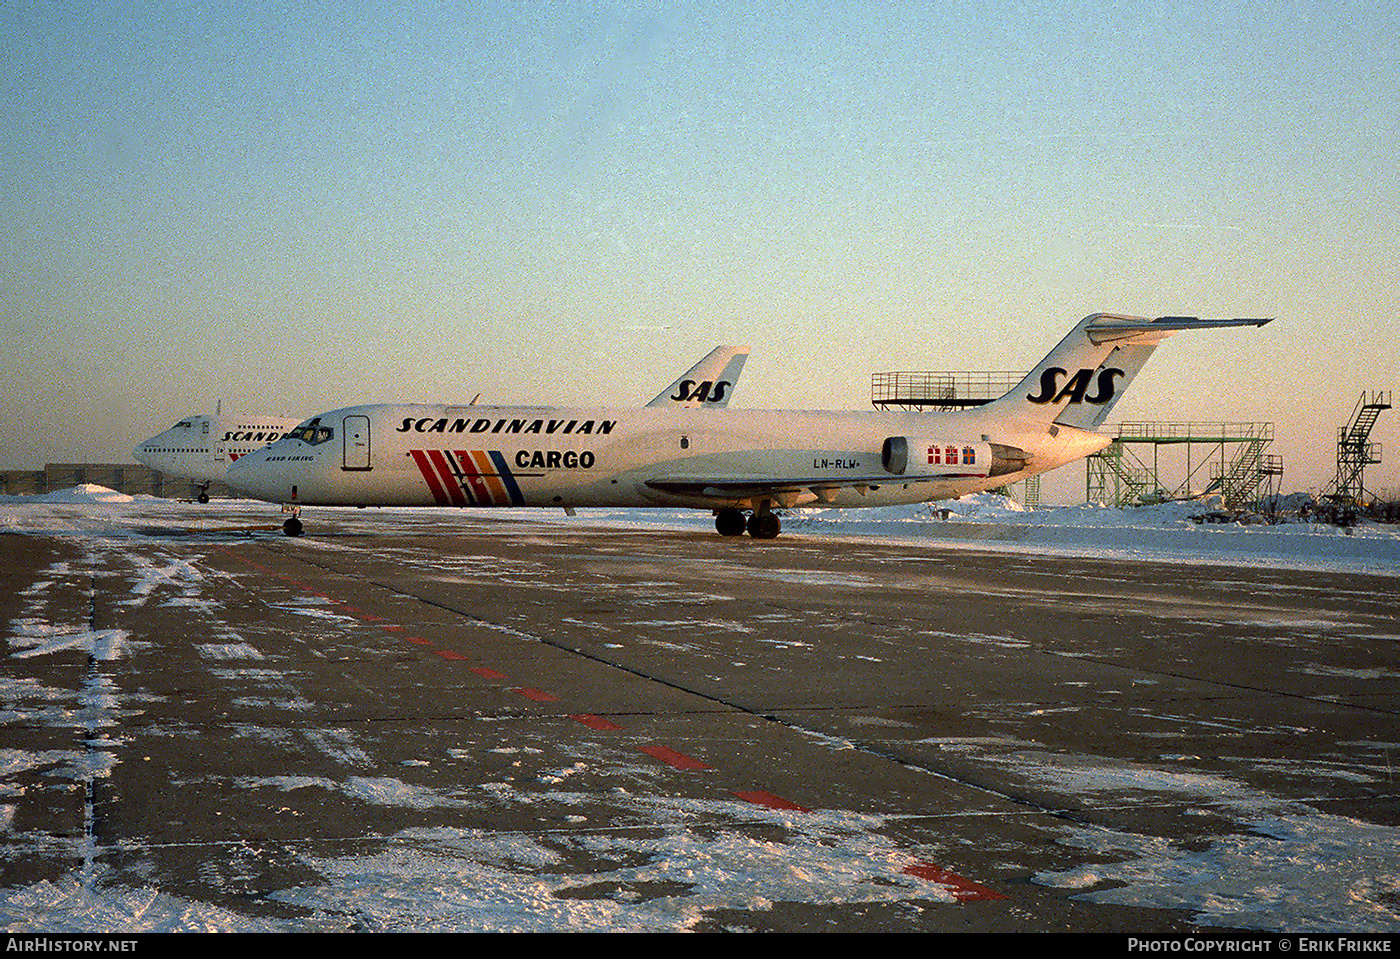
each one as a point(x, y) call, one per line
point(202, 448)
point(732, 462)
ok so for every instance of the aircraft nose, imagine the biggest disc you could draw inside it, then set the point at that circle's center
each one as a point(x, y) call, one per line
point(250, 474)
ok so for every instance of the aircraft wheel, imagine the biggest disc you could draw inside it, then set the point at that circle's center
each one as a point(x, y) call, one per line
point(729, 522)
point(764, 525)
point(203, 497)
point(292, 527)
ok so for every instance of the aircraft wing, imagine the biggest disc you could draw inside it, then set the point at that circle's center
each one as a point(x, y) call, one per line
point(725, 489)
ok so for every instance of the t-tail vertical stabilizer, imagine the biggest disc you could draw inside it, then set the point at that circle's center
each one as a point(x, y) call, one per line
point(1082, 378)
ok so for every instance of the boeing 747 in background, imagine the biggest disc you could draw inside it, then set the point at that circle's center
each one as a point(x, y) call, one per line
point(201, 448)
point(740, 464)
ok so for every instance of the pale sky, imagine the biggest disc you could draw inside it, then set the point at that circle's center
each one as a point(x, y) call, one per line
point(289, 208)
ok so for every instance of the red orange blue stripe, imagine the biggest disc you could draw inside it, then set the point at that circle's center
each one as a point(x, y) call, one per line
point(468, 477)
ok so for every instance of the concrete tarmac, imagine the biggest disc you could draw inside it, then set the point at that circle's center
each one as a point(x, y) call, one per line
point(400, 722)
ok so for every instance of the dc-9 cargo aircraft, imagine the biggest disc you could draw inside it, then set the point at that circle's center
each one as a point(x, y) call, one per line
point(740, 464)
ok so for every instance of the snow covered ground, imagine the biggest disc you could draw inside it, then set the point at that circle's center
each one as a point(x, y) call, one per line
point(1164, 533)
point(1276, 844)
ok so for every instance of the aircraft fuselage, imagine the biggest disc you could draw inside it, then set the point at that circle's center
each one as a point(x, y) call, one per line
point(541, 456)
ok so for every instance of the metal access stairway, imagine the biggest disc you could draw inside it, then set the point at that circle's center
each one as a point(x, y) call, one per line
point(1355, 451)
point(1239, 483)
point(1117, 478)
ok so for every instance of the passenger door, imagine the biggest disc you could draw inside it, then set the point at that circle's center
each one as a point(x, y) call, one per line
point(355, 434)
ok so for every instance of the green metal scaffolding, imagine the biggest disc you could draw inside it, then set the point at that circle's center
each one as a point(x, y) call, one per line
point(1224, 458)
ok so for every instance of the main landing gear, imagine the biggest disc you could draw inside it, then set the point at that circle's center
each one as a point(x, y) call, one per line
point(761, 524)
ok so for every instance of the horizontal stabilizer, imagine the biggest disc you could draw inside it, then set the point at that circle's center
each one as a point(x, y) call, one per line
point(1111, 329)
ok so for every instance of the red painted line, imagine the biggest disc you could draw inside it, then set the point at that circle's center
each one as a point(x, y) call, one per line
point(760, 797)
point(439, 462)
point(429, 472)
point(964, 890)
point(537, 695)
point(673, 758)
point(449, 654)
point(488, 673)
point(596, 722)
point(419, 640)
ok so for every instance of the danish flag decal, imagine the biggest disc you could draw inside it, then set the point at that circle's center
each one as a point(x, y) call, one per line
point(468, 477)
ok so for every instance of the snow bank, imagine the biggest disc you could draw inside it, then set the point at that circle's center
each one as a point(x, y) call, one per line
point(1166, 532)
point(86, 494)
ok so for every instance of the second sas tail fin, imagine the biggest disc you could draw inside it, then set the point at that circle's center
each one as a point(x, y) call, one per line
point(709, 383)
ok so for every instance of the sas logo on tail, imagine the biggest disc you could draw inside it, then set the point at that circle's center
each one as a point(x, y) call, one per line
point(1075, 387)
point(706, 391)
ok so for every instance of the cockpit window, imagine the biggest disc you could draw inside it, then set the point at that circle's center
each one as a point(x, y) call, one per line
point(312, 432)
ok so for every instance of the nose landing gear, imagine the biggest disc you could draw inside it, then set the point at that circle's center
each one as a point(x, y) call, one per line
point(292, 524)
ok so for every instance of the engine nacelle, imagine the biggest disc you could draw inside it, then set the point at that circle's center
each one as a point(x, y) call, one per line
point(894, 455)
point(929, 456)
